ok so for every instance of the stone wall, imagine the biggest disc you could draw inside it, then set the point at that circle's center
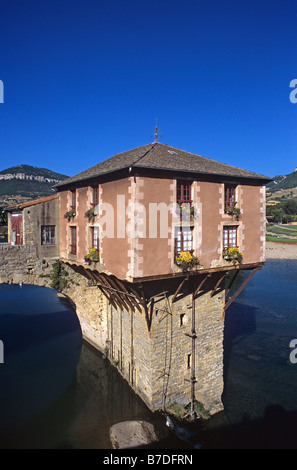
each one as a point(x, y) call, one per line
point(155, 355)
point(36, 216)
point(20, 264)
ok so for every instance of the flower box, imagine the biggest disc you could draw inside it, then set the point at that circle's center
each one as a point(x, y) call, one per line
point(233, 211)
point(186, 261)
point(92, 256)
point(70, 215)
point(90, 214)
point(232, 254)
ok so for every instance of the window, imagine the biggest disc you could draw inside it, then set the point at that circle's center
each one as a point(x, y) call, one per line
point(95, 196)
point(95, 237)
point(73, 200)
point(229, 236)
point(183, 240)
point(73, 240)
point(48, 235)
point(230, 196)
point(183, 192)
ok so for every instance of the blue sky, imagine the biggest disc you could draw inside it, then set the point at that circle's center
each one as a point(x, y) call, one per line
point(84, 80)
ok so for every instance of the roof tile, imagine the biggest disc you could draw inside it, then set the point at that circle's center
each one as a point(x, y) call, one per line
point(162, 156)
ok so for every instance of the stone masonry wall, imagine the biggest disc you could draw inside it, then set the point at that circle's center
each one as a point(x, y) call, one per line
point(156, 358)
point(20, 263)
point(171, 352)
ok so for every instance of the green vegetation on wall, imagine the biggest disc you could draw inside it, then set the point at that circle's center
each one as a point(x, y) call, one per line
point(58, 276)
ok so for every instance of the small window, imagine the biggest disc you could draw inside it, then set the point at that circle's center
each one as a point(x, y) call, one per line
point(183, 240)
point(73, 200)
point(73, 240)
point(230, 196)
point(95, 196)
point(229, 237)
point(95, 237)
point(48, 235)
point(183, 192)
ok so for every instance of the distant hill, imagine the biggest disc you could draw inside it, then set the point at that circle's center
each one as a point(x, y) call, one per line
point(24, 182)
point(283, 182)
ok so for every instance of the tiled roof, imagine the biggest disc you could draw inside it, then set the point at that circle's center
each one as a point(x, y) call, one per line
point(162, 157)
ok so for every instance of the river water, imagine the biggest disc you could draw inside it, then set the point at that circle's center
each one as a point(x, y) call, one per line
point(57, 392)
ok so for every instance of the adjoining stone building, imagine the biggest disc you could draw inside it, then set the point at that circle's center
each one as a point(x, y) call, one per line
point(159, 234)
point(36, 223)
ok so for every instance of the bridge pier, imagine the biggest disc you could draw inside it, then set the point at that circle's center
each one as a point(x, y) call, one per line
point(171, 351)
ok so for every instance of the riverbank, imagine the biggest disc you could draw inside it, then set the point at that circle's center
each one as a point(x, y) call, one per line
point(278, 250)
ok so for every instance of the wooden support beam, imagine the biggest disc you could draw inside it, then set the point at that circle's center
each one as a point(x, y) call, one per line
point(128, 296)
point(105, 286)
point(105, 280)
point(231, 283)
point(200, 285)
point(105, 292)
point(123, 299)
point(218, 284)
point(118, 295)
point(242, 287)
point(178, 289)
point(135, 293)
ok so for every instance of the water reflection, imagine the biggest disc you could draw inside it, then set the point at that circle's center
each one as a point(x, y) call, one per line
point(42, 342)
point(260, 395)
point(82, 416)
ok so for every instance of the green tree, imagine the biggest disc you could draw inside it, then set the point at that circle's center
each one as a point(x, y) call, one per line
point(58, 276)
point(290, 207)
point(278, 214)
point(3, 216)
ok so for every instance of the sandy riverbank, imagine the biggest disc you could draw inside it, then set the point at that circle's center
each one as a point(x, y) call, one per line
point(275, 250)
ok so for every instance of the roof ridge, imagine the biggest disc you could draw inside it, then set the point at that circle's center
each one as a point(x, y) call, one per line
point(144, 155)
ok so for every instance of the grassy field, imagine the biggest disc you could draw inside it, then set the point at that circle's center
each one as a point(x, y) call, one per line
point(271, 238)
point(281, 233)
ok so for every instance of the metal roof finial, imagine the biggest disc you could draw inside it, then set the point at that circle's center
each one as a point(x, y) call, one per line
point(157, 132)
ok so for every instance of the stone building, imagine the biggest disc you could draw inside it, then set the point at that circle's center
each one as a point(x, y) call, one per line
point(159, 234)
point(36, 223)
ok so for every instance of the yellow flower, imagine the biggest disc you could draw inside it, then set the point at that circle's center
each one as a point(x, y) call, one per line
point(185, 257)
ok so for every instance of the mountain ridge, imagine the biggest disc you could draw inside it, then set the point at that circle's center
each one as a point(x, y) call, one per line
point(24, 182)
point(283, 182)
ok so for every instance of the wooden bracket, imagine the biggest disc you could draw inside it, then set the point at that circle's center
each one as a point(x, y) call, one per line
point(241, 287)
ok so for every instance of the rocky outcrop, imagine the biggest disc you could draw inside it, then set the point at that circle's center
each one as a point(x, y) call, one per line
point(134, 434)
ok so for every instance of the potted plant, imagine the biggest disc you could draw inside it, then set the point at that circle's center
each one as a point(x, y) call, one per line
point(232, 254)
point(70, 215)
point(92, 256)
point(234, 211)
point(87, 258)
point(90, 214)
point(187, 261)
